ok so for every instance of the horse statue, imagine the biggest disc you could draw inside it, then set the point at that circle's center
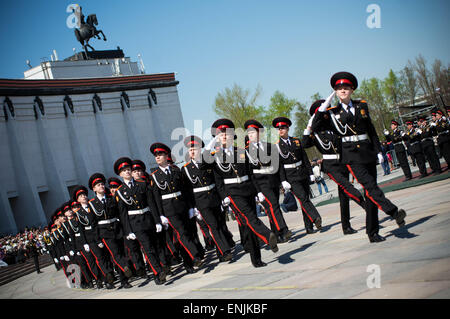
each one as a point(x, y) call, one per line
point(87, 30)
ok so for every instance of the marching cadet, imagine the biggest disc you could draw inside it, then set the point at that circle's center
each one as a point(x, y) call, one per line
point(427, 143)
point(296, 172)
point(175, 203)
point(207, 201)
point(95, 255)
point(413, 137)
point(132, 248)
point(397, 137)
point(319, 133)
point(231, 174)
point(78, 241)
point(61, 238)
point(443, 130)
point(139, 216)
point(360, 149)
point(264, 164)
point(50, 244)
point(109, 229)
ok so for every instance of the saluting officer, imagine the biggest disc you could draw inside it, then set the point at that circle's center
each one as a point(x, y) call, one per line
point(296, 172)
point(265, 167)
point(397, 137)
point(360, 149)
point(413, 137)
point(207, 201)
point(175, 203)
point(427, 143)
point(319, 133)
point(232, 177)
point(443, 130)
point(139, 215)
point(109, 229)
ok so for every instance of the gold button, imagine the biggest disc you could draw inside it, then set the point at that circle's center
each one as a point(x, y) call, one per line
point(357, 146)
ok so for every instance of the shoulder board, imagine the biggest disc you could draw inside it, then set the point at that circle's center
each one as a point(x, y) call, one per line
point(153, 172)
point(213, 152)
point(246, 146)
point(187, 164)
point(120, 186)
point(332, 107)
point(140, 180)
point(92, 199)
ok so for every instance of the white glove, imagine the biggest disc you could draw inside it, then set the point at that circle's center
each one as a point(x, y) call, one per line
point(100, 245)
point(261, 197)
point(164, 220)
point(71, 253)
point(78, 253)
point(403, 134)
point(61, 258)
point(286, 186)
point(419, 131)
point(380, 158)
point(131, 236)
point(386, 132)
point(212, 143)
point(432, 124)
point(56, 260)
point(66, 258)
point(199, 216)
point(324, 105)
point(191, 213)
point(226, 201)
point(86, 247)
point(312, 178)
point(158, 228)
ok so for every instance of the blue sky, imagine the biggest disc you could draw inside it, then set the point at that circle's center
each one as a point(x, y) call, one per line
point(290, 46)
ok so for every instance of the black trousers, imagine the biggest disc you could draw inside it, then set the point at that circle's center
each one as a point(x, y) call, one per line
point(445, 151)
point(430, 153)
point(115, 248)
point(100, 264)
point(91, 263)
point(404, 164)
point(301, 191)
point(421, 163)
point(245, 208)
point(249, 240)
point(147, 241)
point(193, 230)
point(340, 175)
point(86, 274)
point(209, 218)
point(36, 263)
point(179, 224)
point(366, 175)
point(272, 207)
point(134, 253)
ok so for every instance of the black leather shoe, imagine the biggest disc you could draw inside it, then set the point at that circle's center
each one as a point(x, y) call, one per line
point(141, 273)
point(198, 262)
point(109, 286)
point(288, 235)
point(99, 285)
point(126, 285)
point(259, 263)
point(349, 231)
point(376, 238)
point(190, 270)
point(273, 242)
point(309, 231)
point(110, 278)
point(162, 276)
point(227, 256)
point(318, 223)
point(400, 217)
point(407, 179)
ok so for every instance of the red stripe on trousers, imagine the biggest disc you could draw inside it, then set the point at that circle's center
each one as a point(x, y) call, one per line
point(112, 255)
point(211, 233)
point(89, 266)
point(343, 188)
point(146, 257)
point(248, 224)
point(96, 261)
point(303, 208)
point(179, 239)
point(273, 215)
point(367, 193)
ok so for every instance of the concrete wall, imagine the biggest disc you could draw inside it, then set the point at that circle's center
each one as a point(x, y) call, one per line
point(42, 158)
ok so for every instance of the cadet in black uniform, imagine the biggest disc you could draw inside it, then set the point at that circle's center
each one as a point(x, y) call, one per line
point(109, 229)
point(139, 215)
point(443, 131)
point(296, 172)
point(413, 137)
point(174, 201)
point(360, 149)
point(427, 143)
point(397, 138)
point(50, 242)
point(265, 167)
point(207, 201)
point(320, 134)
point(231, 174)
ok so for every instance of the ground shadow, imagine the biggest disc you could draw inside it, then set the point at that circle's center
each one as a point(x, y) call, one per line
point(403, 232)
point(286, 257)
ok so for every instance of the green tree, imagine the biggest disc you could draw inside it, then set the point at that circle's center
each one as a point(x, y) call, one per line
point(238, 105)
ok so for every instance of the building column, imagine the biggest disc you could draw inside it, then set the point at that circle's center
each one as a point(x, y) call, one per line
point(7, 222)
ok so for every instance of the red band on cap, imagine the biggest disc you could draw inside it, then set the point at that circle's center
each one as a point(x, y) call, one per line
point(193, 142)
point(160, 150)
point(66, 207)
point(343, 81)
point(254, 126)
point(122, 165)
point(114, 183)
point(80, 191)
point(282, 124)
point(97, 179)
point(137, 166)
